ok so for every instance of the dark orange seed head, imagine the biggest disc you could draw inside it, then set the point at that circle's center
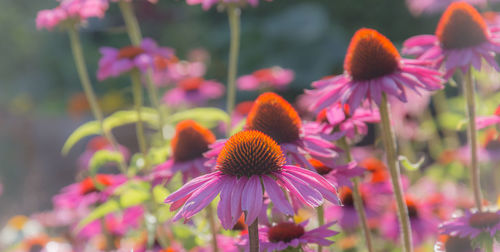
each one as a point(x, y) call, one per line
point(484, 220)
point(412, 207)
point(129, 52)
point(191, 84)
point(461, 26)
point(320, 168)
point(274, 116)
point(191, 140)
point(370, 55)
point(285, 232)
point(249, 153)
point(87, 185)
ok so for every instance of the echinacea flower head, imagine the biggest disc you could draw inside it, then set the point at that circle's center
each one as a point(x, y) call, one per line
point(471, 225)
point(267, 78)
point(448, 243)
point(462, 39)
point(283, 235)
point(189, 143)
point(373, 66)
point(77, 11)
point(193, 91)
point(250, 163)
point(274, 116)
point(115, 62)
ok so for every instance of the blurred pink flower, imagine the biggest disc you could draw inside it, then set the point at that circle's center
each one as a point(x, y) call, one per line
point(170, 70)
point(406, 116)
point(116, 224)
point(486, 121)
point(448, 243)
point(471, 225)
point(94, 145)
point(462, 39)
point(418, 7)
point(75, 10)
point(114, 62)
point(373, 67)
point(194, 91)
point(207, 4)
point(267, 78)
point(339, 175)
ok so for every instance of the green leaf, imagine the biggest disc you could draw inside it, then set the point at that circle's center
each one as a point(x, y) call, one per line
point(409, 165)
point(120, 118)
point(160, 193)
point(103, 157)
point(133, 192)
point(208, 117)
point(238, 127)
point(99, 212)
point(449, 120)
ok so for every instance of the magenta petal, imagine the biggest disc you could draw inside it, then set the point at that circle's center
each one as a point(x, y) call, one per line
point(202, 197)
point(236, 198)
point(190, 187)
point(251, 199)
point(307, 195)
point(224, 207)
point(277, 196)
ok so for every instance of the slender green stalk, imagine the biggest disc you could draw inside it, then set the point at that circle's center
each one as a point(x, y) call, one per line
point(153, 96)
point(233, 13)
point(81, 67)
point(137, 93)
point(321, 221)
point(253, 236)
point(390, 148)
point(110, 245)
point(358, 201)
point(213, 228)
point(472, 137)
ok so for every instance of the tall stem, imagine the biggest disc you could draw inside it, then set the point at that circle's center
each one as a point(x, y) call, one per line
point(137, 93)
point(134, 33)
point(253, 236)
point(211, 221)
point(81, 67)
point(358, 201)
point(390, 148)
point(234, 47)
point(472, 137)
point(321, 221)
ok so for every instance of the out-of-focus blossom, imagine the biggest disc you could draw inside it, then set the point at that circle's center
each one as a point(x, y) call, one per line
point(405, 117)
point(285, 235)
point(462, 39)
point(418, 7)
point(71, 10)
point(339, 175)
point(151, 1)
point(267, 78)
point(194, 91)
point(167, 71)
point(224, 243)
point(275, 117)
point(485, 121)
point(116, 224)
point(96, 144)
point(189, 143)
point(207, 4)
point(114, 62)
point(471, 225)
point(249, 164)
point(448, 243)
point(423, 223)
point(351, 123)
point(373, 67)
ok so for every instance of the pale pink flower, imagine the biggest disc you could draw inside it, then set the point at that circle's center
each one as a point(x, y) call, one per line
point(74, 10)
point(267, 78)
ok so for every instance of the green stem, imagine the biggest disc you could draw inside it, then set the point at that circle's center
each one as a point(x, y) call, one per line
point(390, 148)
point(253, 236)
point(358, 201)
point(472, 137)
point(137, 93)
point(153, 96)
point(234, 47)
point(213, 228)
point(81, 67)
point(321, 221)
point(133, 28)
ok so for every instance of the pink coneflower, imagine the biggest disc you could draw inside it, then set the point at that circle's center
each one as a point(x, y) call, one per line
point(350, 123)
point(171, 70)
point(207, 4)
point(274, 116)
point(285, 235)
point(267, 78)
point(193, 91)
point(249, 163)
point(116, 224)
point(462, 39)
point(406, 117)
point(448, 243)
point(423, 223)
point(485, 121)
point(151, 1)
point(418, 7)
point(339, 175)
point(96, 144)
point(71, 11)
point(372, 67)
point(472, 225)
point(189, 143)
point(114, 62)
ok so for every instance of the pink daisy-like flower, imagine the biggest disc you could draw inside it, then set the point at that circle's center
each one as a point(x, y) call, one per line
point(473, 224)
point(249, 164)
point(339, 175)
point(151, 1)
point(75, 10)
point(96, 144)
point(189, 143)
point(207, 4)
point(485, 121)
point(423, 223)
point(406, 117)
point(274, 77)
point(114, 62)
point(167, 71)
point(285, 235)
point(418, 7)
point(372, 67)
point(462, 39)
point(194, 91)
point(448, 243)
point(116, 224)
point(350, 123)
